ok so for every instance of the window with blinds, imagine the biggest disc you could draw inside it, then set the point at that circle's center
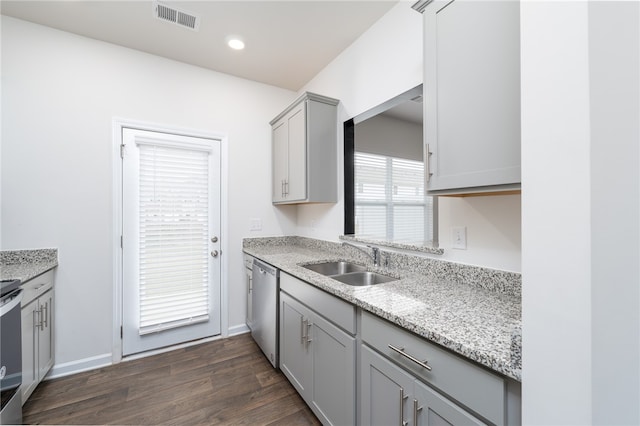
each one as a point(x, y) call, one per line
point(174, 281)
point(389, 199)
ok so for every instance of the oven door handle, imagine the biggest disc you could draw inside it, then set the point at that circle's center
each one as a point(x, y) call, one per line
point(12, 304)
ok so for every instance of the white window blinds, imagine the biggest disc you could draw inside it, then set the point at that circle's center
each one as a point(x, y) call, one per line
point(389, 199)
point(173, 237)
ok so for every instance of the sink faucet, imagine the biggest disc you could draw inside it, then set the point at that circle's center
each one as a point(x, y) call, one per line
point(375, 250)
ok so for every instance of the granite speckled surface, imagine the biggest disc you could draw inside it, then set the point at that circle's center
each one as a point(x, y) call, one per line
point(475, 312)
point(424, 247)
point(26, 264)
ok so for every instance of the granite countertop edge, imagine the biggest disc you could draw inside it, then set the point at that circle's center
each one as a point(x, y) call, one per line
point(502, 357)
point(25, 265)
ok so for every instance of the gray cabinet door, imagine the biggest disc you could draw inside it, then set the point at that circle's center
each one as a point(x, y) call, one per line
point(45, 334)
point(334, 361)
point(296, 186)
point(280, 159)
point(431, 409)
point(29, 348)
point(295, 354)
point(385, 391)
point(289, 139)
point(472, 94)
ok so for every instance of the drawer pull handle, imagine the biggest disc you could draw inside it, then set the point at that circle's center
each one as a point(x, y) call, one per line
point(401, 351)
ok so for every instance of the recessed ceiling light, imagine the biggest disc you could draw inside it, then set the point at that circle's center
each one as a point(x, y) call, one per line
point(235, 43)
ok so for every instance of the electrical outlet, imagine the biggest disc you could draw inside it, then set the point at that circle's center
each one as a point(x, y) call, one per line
point(459, 237)
point(255, 224)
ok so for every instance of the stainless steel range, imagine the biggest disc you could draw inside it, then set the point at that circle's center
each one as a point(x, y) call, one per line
point(10, 352)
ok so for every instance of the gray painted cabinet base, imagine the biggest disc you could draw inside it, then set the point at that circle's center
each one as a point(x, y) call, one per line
point(392, 396)
point(37, 332)
point(319, 337)
point(318, 358)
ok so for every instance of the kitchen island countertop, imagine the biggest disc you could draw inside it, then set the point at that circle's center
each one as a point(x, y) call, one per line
point(480, 324)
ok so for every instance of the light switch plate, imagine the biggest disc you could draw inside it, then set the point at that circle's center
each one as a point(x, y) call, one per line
point(459, 237)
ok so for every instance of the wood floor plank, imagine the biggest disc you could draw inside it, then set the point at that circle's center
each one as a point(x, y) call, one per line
point(228, 381)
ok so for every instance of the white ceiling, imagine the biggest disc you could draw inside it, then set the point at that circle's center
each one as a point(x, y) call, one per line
point(287, 42)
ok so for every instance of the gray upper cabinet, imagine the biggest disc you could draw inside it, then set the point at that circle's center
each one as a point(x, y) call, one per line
point(304, 151)
point(471, 95)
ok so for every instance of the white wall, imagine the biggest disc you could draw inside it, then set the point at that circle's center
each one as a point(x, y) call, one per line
point(385, 62)
point(389, 136)
point(60, 94)
point(581, 230)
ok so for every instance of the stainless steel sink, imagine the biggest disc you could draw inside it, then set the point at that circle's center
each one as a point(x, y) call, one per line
point(363, 278)
point(335, 268)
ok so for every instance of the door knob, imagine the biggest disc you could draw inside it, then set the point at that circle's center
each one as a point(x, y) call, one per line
point(214, 239)
point(214, 253)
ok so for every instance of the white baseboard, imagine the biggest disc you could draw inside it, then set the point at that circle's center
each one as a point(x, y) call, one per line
point(73, 367)
point(238, 329)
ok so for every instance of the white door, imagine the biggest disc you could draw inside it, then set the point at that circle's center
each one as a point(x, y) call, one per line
point(171, 239)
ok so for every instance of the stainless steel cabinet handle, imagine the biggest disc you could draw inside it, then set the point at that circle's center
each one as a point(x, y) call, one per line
point(214, 239)
point(303, 328)
point(415, 411)
point(427, 161)
point(214, 253)
point(37, 321)
point(401, 351)
point(309, 324)
point(40, 320)
point(46, 314)
point(401, 421)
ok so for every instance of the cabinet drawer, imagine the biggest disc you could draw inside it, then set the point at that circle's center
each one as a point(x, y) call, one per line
point(248, 261)
point(339, 312)
point(470, 385)
point(36, 287)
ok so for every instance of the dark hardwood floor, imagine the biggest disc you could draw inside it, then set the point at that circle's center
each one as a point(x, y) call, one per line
point(228, 381)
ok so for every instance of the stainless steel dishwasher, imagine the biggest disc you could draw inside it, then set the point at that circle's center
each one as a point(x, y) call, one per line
point(264, 324)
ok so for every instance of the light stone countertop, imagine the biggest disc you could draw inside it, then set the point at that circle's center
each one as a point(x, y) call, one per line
point(480, 324)
point(26, 264)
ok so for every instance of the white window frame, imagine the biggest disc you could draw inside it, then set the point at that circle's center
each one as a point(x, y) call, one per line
point(389, 204)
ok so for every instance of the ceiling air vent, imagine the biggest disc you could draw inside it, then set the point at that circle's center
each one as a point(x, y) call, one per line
point(176, 16)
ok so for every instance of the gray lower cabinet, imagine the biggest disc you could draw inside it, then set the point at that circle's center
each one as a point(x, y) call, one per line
point(391, 396)
point(37, 332)
point(442, 385)
point(318, 358)
point(403, 379)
